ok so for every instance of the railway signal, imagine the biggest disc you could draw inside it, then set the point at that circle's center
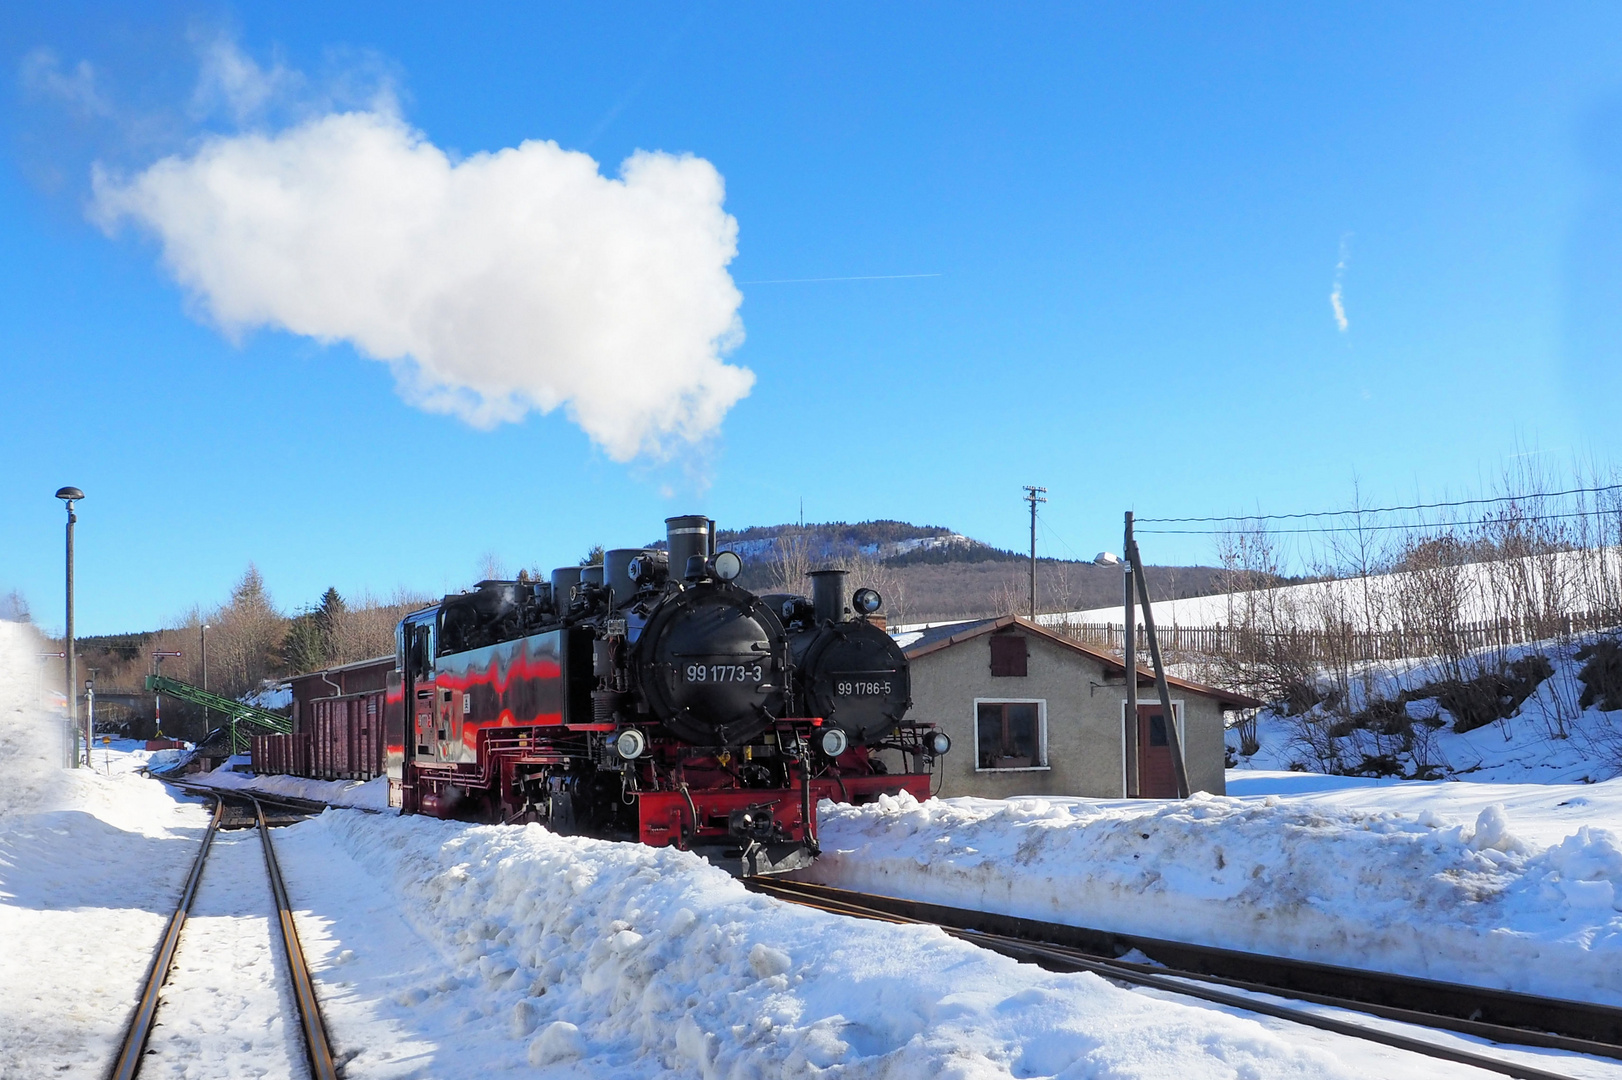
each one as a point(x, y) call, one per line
point(157, 697)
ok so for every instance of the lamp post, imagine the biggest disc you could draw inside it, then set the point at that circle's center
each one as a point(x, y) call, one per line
point(69, 495)
point(202, 634)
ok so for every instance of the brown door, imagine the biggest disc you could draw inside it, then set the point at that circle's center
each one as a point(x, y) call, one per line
point(1157, 779)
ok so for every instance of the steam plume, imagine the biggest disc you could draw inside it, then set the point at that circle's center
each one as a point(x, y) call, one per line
point(501, 283)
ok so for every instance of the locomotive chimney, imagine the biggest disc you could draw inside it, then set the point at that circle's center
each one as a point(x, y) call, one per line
point(687, 535)
point(828, 594)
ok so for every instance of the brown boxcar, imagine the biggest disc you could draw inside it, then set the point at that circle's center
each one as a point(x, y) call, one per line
point(342, 740)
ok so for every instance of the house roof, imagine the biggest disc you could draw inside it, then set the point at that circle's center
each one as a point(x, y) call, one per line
point(918, 643)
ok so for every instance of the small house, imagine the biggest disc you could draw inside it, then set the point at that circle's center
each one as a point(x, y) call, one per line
point(1031, 712)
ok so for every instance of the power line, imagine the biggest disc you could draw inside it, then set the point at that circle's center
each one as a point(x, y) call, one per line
point(1383, 509)
point(1048, 529)
point(1328, 529)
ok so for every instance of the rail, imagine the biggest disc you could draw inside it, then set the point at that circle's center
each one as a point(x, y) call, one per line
point(1495, 1015)
point(317, 1046)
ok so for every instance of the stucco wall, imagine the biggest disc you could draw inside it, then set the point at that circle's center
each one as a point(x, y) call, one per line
point(1084, 730)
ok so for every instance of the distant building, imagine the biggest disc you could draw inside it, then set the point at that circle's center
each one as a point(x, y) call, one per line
point(1033, 713)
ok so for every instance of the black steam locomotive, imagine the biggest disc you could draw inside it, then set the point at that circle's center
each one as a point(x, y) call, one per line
point(651, 697)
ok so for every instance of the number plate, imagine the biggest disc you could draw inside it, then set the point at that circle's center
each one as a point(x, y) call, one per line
point(861, 687)
point(724, 673)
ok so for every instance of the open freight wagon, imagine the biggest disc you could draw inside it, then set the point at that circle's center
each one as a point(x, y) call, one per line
point(342, 739)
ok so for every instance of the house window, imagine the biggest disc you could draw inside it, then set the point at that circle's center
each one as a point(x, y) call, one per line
point(1010, 734)
point(1008, 655)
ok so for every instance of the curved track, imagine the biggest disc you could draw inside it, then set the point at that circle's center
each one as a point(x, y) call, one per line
point(318, 1050)
point(1498, 1016)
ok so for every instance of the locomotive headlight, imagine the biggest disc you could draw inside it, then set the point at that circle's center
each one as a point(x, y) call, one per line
point(726, 565)
point(833, 742)
point(937, 743)
point(630, 743)
point(866, 601)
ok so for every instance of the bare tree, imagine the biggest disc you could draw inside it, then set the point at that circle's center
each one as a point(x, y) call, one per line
point(792, 562)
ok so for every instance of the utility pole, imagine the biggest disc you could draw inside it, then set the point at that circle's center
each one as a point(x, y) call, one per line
point(68, 495)
point(1129, 629)
point(1033, 495)
point(1173, 740)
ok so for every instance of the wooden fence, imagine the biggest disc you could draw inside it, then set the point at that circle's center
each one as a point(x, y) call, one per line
point(1348, 645)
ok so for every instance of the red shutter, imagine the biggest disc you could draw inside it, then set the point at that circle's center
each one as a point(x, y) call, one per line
point(1008, 655)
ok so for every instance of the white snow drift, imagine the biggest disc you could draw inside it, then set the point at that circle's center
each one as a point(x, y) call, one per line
point(494, 284)
point(487, 949)
point(1375, 888)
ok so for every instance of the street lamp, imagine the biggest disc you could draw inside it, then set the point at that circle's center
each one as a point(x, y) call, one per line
point(70, 495)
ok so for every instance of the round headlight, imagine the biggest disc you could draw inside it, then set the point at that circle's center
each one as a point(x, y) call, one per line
point(630, 743)
point(866, 601)
point(726, 565)
point(834, 742)
point(938, 743)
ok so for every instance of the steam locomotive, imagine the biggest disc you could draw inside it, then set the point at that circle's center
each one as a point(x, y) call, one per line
point(652, 698)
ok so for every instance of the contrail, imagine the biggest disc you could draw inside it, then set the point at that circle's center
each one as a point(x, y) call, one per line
point(815, 280)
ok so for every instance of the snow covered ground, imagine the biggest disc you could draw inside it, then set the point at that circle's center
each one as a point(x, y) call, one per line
point(1549, 739)
point(1463, 882)
point(371, 794)
point(90, 866)
point(448, 951)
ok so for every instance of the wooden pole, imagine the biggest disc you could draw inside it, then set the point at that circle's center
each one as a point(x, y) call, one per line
point(1033, 497)
point(1179, 766)
point(1130, 720)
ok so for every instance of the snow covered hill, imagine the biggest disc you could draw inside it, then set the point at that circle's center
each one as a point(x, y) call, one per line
point(1415, 719)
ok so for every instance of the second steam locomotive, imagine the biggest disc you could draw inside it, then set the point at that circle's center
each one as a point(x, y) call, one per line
point(651, 697)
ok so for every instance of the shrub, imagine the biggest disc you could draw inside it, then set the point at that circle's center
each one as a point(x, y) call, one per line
point(1601, 676)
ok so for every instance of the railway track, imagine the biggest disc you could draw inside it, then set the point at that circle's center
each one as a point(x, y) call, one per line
point(317, 1048)
point(1235, 979)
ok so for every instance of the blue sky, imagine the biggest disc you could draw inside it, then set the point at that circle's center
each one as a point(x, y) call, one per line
point(1133, 217)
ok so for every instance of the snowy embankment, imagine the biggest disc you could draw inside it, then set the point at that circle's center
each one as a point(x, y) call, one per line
point(91, 863)
point(451, 950)
point(1387, 889)
point(370, 794)
point(1395, 716)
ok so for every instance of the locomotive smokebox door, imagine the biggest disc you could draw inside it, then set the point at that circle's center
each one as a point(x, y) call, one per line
point(708, 664)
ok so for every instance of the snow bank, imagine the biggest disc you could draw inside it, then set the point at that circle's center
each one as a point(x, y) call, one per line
point(1543, 814)
point(602, 959)
point(31, 739)
point(1387, 890)
point(91, 863)
point(1550, 738)
point(369, 794)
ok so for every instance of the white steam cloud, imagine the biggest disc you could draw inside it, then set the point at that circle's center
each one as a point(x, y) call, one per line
point(1337, 301)
point(493, 285)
